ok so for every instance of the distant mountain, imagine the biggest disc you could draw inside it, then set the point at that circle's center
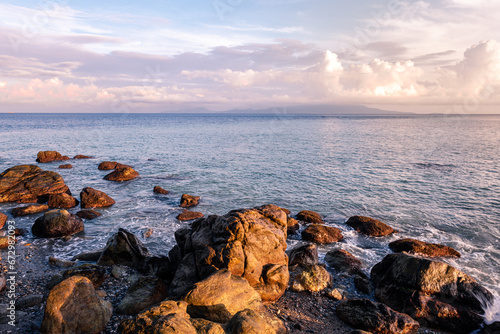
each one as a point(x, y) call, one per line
point(319, 110)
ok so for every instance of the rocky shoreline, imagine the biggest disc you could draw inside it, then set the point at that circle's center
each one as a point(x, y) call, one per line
point(226, 274)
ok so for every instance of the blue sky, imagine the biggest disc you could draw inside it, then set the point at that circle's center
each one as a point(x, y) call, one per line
point(153, 56)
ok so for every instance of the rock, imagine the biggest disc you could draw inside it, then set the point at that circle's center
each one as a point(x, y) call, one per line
point(96, 274)
point(220, 296)
point(313, 278)
point(363, 284)
point(88, 256)
point(124, 248)
point(3, 219)
point(170, 317)
point(343, 261)
point(188, 201)
point(189, 215)
point(434, 293)
point(321, 234)
point(292, 225)
point(62, 201)
point(28, 301)
point(255, 322)
point(418, 247)
point(310, 217)
point(61, 263)
point(336, 294)
point(73, 306)
point(203, 326)
point(29, 210)
point(3, 282)
point(160, 190)
point(493, 328)
point(143, 293)
point(80, 156)
point(28, 183)
point(65, 166)
point(91, 198)
point(375, 317)
point(6, 241)
point(148, 233)
point(303, 255)
point(49, 156)
point(249, 242)
point(57, 223)
point(109, 165)
point(88, 214)
point(122, 174)
point(369, 226)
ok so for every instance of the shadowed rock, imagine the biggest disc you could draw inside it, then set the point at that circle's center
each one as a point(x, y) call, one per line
point(96, 274)
point(110, 165)
point(370, 226)
point(413, 246)
point(49, 156)
point(310, 217)
point(143, 293)
point(88, 214)
point(65, 166)
point(124, 248)
point(57, 223)
point(81, 156)
point(91, 198)
point(250, 321)
point(322, 234)
point(160, 190)
point(342, 260)
point(303, 255)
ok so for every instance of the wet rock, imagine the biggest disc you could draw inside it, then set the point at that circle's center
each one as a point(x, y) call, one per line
point(57, 223)
point(188, 201)
point(321, 234)
point(249, 242)
point(29, 210)
point(203, 326)
point(148, 233)
point(122, 174)
point(49, 156)
point(303, 255)
point(65, 166)
point(189, 215)
point(143, 293)
point(3, 219)
point(109, 165)
point(168, 317)
point(61, 263)
point(81, 156)
point(375, 317)
point(88, 256)
point(28, 183)
point(336, 294)
point(220, 296)
point(310, 217)
point(62, 201)
point(369, 226)
point(313, 278)
point(88, 214)
point(73, 306)
point(92, 198)
point(493, 328)
point(253, 322)
point(292, 225)
point(343, 261)
point(434, 293)
point(28, 301)
point(124, 248)
point(96, 274)
point(363, 284)
point(418, 247)
point(160, 190)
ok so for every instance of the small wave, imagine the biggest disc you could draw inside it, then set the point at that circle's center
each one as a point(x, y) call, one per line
point(434, 166)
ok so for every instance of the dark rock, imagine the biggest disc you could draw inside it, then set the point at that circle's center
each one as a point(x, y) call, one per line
point(61, 263)
point(29, 210)
point(203, 326)
point(253, 322)
point(303, 255)
point(493, 328)
point(80, 156)
point(375, 317)
point(310, 217)
point(62, 201)
point(189, 215)
point(89, 256)
point(322, 234)
point(342, 260)
point(123, 248)
point(312, 278)
point(57, 223)
point(369, 226)
point(28, 183)
point(91, 198)
point(49, 156)
point(188, 201)
point(292, 225)
point(3, 220)
point(28, 301)
point(96, 274)
point(160, 190)
point(65, 166)
point(363, 284)
point(418, 247)
point(88, 214)
point(143, 293)
point(20, 232)
point(122, 174)
point(434, 293)
point(109, 165)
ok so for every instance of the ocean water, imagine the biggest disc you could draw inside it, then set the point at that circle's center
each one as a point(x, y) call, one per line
point(433, 178)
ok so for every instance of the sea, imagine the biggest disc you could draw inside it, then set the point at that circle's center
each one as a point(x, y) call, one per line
point(435, 178)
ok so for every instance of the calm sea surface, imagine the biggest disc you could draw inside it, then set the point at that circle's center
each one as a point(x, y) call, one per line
point(431, 177)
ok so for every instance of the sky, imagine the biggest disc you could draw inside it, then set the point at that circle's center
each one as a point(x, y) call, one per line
point(159, 56)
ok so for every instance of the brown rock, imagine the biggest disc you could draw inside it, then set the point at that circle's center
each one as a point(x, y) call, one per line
point(143, 293)
point(189, 215)
point(109, 165)
point(418, 247)
point(49, 156)
point(292, 225)
point(3, 220)
point(255, 322)
point(312, 278)
point(65, 166)
point(203, 326)
point(88, 214)
point(73, 306)
point(61, 263)
point(310, 217)
point(188, 201)
point(28, 183)
point(122, 174)
point(303, 255)
point(80, 156)
point(369, 226)
point(6, 241)
point(91, 198)
point(160, 190)
point(57, 223)
point(342, 260)
point(322, 234)
point(62, 201)
point(29, 210)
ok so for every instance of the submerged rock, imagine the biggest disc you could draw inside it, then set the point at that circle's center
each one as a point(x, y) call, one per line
point(62, 201)
point(370, 226)
point(322, 234)
point(342, 260)
point(29, 210)
point(189, 215)
point(65, 166)
point(312, 278)
point(92, 198)
point(49, 156)
point(57, 223)
point(81, 156)
point(146, 291)
point(310, 217)
point(109, 165)
point(413, 246)
point(188, 201)
point(160, 190)
point(88, 214)
point(122, 174)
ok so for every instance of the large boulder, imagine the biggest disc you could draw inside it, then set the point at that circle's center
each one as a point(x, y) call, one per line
point(434, 293)
point(255, 322)
point(92, 198)
point(29, 183)
point(418, 247)
point(124, 248)
point(143, 293)
point(312, 278)
point(375, 317)
point(57, 223)
point(62, 201)
point(49, 156)
point(188, 201)
point(248, 242)
point(122, 174)
point(370, 226)
point(220, 296)
point(74, 306)
point(343, 261)
point(310, 217)
point(29, 210)
point(322, 234)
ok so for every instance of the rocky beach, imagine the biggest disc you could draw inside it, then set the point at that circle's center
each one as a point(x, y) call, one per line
point(232, 273)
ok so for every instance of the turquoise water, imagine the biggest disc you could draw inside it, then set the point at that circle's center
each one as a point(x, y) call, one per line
point(433, 178)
